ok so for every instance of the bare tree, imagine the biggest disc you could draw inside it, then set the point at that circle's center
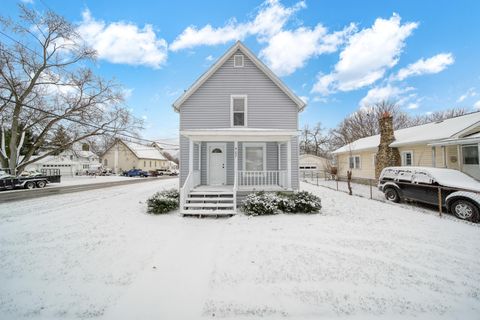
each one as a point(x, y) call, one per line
point(45, 83)
point(364, 122)
point(305, 142)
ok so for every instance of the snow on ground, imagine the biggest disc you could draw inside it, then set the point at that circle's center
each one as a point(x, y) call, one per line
point(81, 180)
point(96, 254)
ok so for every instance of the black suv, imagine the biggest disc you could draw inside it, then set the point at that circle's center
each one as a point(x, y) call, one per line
point(460, 194)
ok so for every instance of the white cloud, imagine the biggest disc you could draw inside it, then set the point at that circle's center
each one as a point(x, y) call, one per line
point(28, 1)
point(413, 106)
point(269, 20)
point(431, 65)
point(367, 56)
point(387, 93)
point(476, 105)
point(304, 98)
point(123, 42)
point(210, 58)
point(307, 43)
point(470, 93)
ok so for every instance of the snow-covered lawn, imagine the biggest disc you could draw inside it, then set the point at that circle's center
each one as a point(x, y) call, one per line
point(98, 255)
point(80, 180)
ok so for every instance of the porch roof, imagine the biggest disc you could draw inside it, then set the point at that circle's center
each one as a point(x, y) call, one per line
point(239, 134)
point(474, 138)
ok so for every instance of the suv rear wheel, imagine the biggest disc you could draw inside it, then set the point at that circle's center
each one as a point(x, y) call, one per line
point(391, 194)
point(465, 210)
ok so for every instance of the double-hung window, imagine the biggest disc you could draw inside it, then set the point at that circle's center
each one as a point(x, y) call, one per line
point(354, 162)
point(407, 158)
point(470, 154)
point(239, 110)
point(254, 156)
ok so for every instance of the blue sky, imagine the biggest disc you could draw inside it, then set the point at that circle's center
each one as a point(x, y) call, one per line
point(338, 55)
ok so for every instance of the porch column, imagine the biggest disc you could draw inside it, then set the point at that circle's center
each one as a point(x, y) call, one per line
point(444, 153)
point(289, 164)
point(235, 163)
point(190, 156)
point(434, 157)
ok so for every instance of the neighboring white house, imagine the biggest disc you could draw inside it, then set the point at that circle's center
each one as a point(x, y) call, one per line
point(311, 162)
point(238, 134)
point(70, 162)
point(451, 143)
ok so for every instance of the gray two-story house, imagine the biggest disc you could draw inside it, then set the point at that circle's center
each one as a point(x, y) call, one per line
point(238, 134)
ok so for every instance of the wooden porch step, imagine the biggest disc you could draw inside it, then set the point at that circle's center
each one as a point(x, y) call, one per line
point(208, 205)
point(209, 199)
point(211, 193)
point(219, 213)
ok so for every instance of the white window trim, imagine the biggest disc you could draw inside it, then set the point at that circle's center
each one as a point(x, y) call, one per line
point(210, 146)
point(243, 61)
point(251, 144)
point(403, 158)
point(245, 111)
point(354, 163)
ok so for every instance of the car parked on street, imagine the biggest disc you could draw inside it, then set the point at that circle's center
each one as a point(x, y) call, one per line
point(136, 173)
point(457, 192)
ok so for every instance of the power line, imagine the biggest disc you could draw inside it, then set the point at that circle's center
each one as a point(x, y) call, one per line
point(87, 124)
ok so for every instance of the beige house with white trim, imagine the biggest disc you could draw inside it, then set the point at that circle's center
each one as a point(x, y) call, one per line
point(451, 143)
point(126, 155)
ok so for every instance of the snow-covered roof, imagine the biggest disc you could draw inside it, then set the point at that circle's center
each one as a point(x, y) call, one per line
point(238, 46)
point(85, 154)
point(142, 151)
point(426, 133)
point(447, 177)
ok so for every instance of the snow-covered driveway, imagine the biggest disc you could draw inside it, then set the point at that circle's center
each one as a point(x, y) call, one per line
point(96, 254)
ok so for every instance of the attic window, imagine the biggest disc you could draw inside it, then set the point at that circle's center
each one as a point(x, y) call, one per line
point(238, 60)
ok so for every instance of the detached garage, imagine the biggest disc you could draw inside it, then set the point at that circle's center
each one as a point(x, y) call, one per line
point(310, 162)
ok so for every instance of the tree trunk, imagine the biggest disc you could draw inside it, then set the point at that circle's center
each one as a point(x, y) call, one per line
point(12, 162)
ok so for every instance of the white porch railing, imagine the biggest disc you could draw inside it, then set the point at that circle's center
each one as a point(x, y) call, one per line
point(262, 178)
point(196, 178)
point(185, 190)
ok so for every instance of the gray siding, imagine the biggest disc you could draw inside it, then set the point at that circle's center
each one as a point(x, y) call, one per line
point(268, 105)
point(184, 146)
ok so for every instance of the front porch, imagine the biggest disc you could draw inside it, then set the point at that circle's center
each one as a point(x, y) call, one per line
point(231, 164)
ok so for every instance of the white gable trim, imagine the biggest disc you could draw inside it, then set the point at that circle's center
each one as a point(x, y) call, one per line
point(259, 64)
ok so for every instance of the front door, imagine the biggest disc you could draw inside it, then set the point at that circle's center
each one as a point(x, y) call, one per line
point(216, 166)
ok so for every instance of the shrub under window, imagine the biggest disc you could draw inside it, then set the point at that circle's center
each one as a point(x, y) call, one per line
point(260, 203)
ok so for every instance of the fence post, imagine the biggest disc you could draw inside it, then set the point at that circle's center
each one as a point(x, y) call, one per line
point(336, 179)
point(370, 184)
point(317, 178)
point(440, 201)
point(325, 173)
point(304, 175)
